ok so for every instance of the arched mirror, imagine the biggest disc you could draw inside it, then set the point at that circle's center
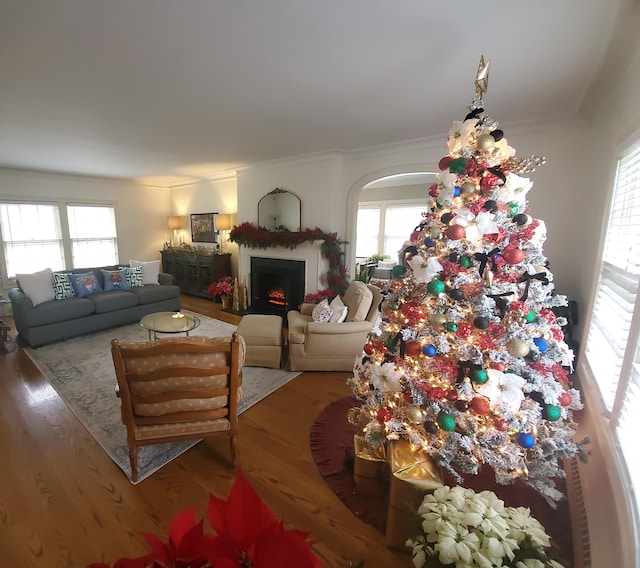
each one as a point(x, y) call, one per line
point(280, 210)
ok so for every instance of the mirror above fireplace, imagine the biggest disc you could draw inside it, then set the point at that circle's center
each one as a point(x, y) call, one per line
point(280, 210)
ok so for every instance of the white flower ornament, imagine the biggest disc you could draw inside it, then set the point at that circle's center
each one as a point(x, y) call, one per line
point(503, 388)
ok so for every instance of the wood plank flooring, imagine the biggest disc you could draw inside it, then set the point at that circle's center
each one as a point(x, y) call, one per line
point(64, 503)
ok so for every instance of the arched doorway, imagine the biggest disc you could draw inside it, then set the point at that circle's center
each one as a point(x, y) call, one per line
point(408, 183)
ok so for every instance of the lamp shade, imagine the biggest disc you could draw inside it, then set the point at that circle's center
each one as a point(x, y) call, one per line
point(223, 221)
point(174, 222)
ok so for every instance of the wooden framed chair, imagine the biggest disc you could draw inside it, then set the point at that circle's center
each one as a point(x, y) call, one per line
point(175, 389)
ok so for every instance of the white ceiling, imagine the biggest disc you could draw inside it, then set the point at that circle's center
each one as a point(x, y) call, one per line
point(168, 90)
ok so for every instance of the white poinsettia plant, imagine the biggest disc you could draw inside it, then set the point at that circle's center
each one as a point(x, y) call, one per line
point(466, 529)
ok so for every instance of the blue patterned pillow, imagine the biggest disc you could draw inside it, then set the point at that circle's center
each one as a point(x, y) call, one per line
point(115, 280)
point(134, 276)
point(62, 286)
point(85, 284)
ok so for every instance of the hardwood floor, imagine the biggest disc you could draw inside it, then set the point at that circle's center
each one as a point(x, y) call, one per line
point(64, 503)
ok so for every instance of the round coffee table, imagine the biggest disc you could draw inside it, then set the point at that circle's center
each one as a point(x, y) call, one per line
point(169, 322)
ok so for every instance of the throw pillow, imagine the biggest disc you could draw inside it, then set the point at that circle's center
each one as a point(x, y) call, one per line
point(62, 286)
point(150, 270)
point(115, 280)
point(85, 283)
point(322, 312)
point(134, 276)
point(338, 310)
point(38, 286)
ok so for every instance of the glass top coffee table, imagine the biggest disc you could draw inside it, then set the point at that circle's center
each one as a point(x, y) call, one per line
point(169, 322)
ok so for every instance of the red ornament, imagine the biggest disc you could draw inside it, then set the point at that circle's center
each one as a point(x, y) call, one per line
point(383, 415)
point(433, 190)
point(455, 232)
point(513, 255)
point(497, 366)
point(500, 424)
point(412, 348)
point(414, 236)
point(565, 399)
point(369, 349)
point(452, 395)
point(443, 164)
point(480, 405)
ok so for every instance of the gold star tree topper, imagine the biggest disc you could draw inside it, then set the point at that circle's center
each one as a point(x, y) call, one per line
point(482, 77)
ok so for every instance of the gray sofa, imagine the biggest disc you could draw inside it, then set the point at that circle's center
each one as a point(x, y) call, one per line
point(56, 320)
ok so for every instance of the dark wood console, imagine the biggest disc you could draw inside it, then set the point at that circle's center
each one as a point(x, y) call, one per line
point(194, 273)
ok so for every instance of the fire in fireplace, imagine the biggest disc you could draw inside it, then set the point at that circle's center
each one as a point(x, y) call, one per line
point(277, 284)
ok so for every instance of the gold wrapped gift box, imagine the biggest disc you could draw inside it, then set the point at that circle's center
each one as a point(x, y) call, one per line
point(413, 474)
point(369, 468)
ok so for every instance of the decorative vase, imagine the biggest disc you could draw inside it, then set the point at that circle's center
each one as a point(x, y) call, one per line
point(226, 302)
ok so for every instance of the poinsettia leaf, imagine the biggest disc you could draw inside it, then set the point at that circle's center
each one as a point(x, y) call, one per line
point(159, 549)
point(182, 523)
point(243, 516)
point(191, 545)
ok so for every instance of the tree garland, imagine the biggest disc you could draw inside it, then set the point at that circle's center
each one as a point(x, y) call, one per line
point(252, 236)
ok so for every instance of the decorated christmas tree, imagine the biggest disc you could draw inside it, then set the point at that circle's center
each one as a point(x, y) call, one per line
point(468, 361)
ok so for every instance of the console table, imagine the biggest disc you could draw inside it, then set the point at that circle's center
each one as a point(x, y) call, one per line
point(194, 273)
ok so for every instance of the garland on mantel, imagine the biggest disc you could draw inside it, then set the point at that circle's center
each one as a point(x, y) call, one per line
point(252, 236)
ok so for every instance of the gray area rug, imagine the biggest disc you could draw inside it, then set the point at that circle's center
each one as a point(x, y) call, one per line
point(81, 371)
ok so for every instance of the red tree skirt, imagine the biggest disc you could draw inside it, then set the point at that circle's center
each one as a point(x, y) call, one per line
point(331, 440)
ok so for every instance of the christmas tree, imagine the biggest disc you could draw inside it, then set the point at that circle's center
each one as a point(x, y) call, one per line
point(468, 361)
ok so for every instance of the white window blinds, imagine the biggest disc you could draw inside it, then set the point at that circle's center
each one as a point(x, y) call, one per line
point(92, 229)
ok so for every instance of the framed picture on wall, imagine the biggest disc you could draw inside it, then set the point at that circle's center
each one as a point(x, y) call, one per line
point(203, 228)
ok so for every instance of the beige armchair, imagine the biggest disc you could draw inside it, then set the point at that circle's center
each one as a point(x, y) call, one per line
point(315, 346)
point(177, 389)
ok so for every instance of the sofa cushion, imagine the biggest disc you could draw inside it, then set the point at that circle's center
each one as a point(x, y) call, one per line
point(57, 311)
point(115, 280)
point(113, 300)
point(150, 270)
point(62, 286)
point(358, 300)
point(38, 285)
point(148, 294)
point(85, 283)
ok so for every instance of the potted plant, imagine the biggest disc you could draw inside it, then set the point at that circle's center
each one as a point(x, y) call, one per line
point(222, 289)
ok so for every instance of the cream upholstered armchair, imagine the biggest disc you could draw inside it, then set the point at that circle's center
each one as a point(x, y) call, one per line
point(175, 389)
point(316, 346)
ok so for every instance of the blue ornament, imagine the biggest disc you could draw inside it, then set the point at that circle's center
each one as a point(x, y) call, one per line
point(456, 191)
point(429, 242)
point(525, 440)
point(430, 350)
point(541, 343)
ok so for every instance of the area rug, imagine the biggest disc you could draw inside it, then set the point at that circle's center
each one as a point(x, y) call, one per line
point(331, 442)
point(81, 371)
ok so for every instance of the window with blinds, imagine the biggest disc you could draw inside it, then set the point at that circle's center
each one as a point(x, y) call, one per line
point(31, 237)
point(92, 229)
point(612, 347)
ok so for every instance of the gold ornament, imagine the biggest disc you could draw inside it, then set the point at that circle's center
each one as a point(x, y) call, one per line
point(353, 416)
point(414, 413)
point(486, 143)
point(437, 320)
point(517, 348)
point(436, 233)
point(488, 276)
point(468, 188)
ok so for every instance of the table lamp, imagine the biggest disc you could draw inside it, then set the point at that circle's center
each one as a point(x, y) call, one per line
point(223, 223)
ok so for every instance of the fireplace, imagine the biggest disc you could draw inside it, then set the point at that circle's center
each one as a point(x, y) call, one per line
point(277, 285)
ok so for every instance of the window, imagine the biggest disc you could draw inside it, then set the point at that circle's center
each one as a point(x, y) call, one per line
point(31, 236)
point(612, 348)
point(385, 226)
point(43, 235)
point(92, 229)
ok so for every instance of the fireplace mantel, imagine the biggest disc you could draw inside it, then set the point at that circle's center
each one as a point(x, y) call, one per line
point(316, 266)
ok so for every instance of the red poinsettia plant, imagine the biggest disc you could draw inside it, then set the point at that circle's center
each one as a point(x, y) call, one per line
point(223, 286)
point(247, 535)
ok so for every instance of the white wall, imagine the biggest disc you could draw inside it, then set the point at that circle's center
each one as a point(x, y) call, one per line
point(141, 212)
